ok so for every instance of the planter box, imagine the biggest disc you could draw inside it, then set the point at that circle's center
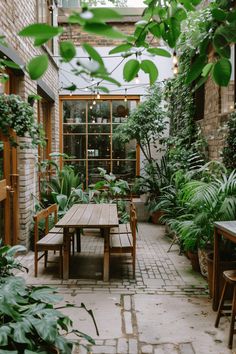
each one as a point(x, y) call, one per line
point(193, 257)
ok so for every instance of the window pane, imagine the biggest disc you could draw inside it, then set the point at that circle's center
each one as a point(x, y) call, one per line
point(99, 146)
point(97, 128)
point(74, 111)
point(124, 169)
point(123, 151)
point(100, 112)
point(74, 128)
point(93, 172)
point(75, 145)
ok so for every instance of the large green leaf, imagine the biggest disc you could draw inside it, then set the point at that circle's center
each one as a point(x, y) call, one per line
point(221, 46)
point(67, 50)
point(222, 72)
point(105, 14)
point(196, 68)
point(9, 64)
point(228, 31)
point(45, 294)
point(121, 48)
point(218, 14)
point(131, 69)
point(41, 32)
point(93, 53)
point(159, 51)
point(154, 28)
point(207, 69)
point(102, 29)
point(150, 68)
point(4, 333)
point(37, 66)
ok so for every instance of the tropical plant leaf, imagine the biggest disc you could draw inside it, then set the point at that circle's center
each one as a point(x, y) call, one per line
point(67, 50)
point(131, 69)
point(37, 66)
point(159, 51)
point(150, 68)
point(196, 68)
point(222, 72)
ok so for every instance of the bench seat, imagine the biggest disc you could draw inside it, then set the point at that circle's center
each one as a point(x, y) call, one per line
point(51, 239)
point(121, 229)
point(120, 242)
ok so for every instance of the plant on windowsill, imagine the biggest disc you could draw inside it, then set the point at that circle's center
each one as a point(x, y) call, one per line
point(17, 117)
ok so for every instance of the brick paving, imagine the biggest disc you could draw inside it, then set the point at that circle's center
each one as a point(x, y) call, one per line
point(159, 275)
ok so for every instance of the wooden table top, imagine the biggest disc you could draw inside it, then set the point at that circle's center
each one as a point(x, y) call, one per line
point(228, 226)
point(90, 215)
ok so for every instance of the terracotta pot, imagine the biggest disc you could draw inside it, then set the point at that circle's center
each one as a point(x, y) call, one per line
point(224, 265)
point(193, 257)
point(156, 216)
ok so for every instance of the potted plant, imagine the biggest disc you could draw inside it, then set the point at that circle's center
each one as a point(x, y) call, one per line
point(17, 116)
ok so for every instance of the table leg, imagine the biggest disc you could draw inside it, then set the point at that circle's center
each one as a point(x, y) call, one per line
point(216, 270)
point(106, 262)
point(66, 253)
point(78, 240)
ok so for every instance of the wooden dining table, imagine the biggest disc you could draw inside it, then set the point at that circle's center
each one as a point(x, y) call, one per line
point(81, 216)
point(225, 230)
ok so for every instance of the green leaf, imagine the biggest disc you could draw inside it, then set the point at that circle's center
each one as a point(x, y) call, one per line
point(10, 64)
point(231, 16)
point(188, 6)
point(109, 79)
point(41, 32)
point(105, 14)
point(196, 2)
point(121, 48)
point(228, 31)
point(154, 28)
point(45, 294)
point(4, 333)
point(196, 68)
point(67, 50)
point(159, 51)
point(218, 14)
point(37, 66)
point(93, 53)
point(150, 68)
point(131, 69)
point(102, 29)
point(20, 329)
point(70, 88)
point(221, 46)
point(75, 18)
point(200, 82)
point(207, 69)
point(103, 89)
point(222, 72)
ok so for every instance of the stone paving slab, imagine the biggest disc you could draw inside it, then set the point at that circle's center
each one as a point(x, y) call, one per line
point(165, 310)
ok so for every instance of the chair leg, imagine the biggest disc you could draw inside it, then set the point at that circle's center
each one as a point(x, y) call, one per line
point(134, 263)
point(232, 321)
point(35, 262)
point(61, 263)
point(78, 240)
point(45, 259)
point(221, 304)
point(73, 244)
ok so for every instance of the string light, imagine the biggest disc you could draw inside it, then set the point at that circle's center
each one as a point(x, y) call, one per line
point(94, 102)
point(137, 81)
point(98, 95)
point(175, 69)
point(175, 59)
point(125, 99)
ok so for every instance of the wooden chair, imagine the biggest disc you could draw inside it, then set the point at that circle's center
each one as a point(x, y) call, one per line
point(51, 241)
point(125, 242)
point(226, 310)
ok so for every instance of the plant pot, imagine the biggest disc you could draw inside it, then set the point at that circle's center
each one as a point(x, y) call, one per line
point(193, 257)
point(156, 216)
point(223, 265)
point(202, 255)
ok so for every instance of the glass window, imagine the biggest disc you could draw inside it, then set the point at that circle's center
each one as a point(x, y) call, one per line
point(79, 167)
point(88, 128)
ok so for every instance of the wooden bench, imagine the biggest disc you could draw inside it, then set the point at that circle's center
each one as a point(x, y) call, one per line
point(124, 228)
point(53, 240)
point(125, 242)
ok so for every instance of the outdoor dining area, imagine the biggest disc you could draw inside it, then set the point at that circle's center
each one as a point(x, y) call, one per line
point(66, 234)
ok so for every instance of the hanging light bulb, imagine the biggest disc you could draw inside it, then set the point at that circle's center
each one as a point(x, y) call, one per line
point(175, 69)
point(94, 102)
point(70, 93)
point(91, 107)
point(98, 95)
point(175, 59)
point(125, 99)
point(137, 81)
point(86, 89)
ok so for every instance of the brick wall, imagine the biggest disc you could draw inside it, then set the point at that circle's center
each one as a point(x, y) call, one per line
point(15, 14)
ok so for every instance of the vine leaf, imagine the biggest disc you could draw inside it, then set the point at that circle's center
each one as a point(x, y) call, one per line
point(121, 48)
point(131, 69)
point(159, 51)
point(222, 72)
point(37, 66)
point(196, 68)
point(93, 53)
point(102, 29)
point(41, 32)
point(150, 68)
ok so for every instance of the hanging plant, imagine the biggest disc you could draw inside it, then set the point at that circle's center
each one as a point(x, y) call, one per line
point(18, 115)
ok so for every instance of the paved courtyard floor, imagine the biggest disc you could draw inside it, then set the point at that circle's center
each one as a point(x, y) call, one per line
point(165, 310)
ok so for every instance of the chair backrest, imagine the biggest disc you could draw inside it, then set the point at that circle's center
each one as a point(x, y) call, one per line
point(44, 215)
point(131, 210)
